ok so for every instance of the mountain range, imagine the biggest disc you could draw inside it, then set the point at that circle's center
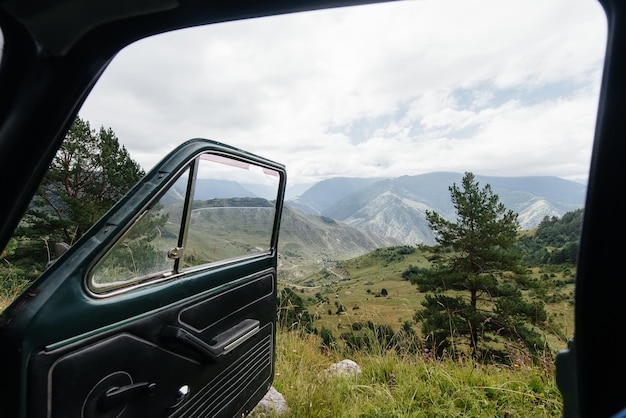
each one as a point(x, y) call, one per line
point(393, 209)
point(313, 240)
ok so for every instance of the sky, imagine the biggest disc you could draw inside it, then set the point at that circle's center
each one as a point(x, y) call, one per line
point(494, 87)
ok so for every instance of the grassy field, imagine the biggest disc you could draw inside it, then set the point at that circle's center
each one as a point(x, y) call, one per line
point(403, 385)
point(357, 285)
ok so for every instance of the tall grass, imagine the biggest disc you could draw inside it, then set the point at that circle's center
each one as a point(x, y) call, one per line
point(396, 384)
point(11, 285)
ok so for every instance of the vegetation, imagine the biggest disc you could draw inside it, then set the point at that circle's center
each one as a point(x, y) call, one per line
point(401, 385)
point(292, 313)
point(554, 241)
point(476, 257)
point(403, 374)
point(89, 173)
point(11, 282)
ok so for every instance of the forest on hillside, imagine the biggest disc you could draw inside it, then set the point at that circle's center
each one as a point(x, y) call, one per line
point(554, 241)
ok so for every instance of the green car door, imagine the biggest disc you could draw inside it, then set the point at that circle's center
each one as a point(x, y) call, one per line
point(165, 308)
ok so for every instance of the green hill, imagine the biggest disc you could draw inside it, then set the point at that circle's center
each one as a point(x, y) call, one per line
point(370, 287)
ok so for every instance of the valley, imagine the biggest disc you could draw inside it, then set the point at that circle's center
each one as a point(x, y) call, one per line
point(370, 287)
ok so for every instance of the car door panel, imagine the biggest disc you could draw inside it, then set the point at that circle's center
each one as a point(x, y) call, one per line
point(143, 351)
point(194, 342)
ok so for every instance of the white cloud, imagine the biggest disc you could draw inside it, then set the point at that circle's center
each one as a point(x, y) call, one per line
point(498, 88)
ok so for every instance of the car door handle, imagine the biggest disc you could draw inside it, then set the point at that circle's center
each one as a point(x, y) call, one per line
point(118, 396)
point(220, 345)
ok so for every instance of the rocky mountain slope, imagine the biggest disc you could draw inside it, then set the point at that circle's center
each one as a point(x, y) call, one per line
point(308, 242)
point(395, 208)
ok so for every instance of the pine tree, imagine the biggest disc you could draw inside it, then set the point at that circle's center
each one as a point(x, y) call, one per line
point(89, 173)
point(476, 258)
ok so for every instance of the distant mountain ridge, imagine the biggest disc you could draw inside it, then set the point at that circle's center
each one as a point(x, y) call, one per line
point(307, 242)
point(395, 207)
point(326, 193)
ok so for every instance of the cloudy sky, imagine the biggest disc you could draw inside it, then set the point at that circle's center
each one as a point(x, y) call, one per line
point(489, 86)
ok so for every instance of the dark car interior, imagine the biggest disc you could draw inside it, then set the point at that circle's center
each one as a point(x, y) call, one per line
point(55, 51)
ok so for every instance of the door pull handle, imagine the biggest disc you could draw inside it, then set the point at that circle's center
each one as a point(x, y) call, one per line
point(219, 345)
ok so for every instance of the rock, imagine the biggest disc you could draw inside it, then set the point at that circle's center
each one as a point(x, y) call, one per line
point(273, 404)
point(344, 368)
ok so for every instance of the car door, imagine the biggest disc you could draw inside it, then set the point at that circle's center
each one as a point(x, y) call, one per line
point(166, 307)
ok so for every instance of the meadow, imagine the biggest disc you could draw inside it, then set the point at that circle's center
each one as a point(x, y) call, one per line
point(403, 385)
point(371, 288)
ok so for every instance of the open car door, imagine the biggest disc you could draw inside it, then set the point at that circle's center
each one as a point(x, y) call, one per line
point(166, 307)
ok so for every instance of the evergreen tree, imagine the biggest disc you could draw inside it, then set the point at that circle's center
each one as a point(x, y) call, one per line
point(89, 173)
point(477, 259)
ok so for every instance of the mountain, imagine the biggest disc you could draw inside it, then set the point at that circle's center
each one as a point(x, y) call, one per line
point(307, 242)
point(214, 188)
point(294, 191)
point(395, 207)
point(326, 193)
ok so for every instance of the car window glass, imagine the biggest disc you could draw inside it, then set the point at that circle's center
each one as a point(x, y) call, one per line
point(232, 208)
point(145, 251)
point(232, 212)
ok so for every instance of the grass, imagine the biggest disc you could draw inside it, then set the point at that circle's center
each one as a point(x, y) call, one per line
point(408, 385)
point(11, 285)
point(357, 284)
point(402, 384)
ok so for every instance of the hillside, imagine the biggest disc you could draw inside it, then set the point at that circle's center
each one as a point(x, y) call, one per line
point(326, 193)
point(395, 208)
point(308, 243)
point(357, 285)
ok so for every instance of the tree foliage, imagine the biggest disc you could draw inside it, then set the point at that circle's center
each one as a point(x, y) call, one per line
point(90, 172)
point(555, 241)
point(477, 260)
